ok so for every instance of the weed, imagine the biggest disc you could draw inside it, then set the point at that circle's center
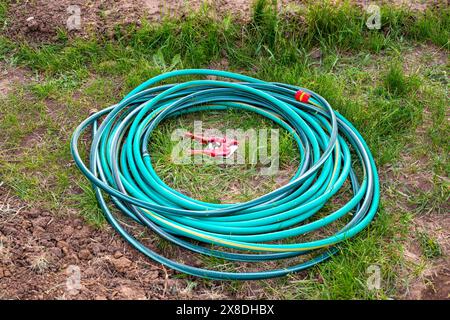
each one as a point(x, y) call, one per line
point(39, 264)
point(430, 246)
point(87, 204)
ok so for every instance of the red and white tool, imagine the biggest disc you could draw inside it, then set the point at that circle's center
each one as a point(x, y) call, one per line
point(215, 146)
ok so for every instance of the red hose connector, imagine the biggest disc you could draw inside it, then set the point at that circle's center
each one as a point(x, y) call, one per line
point(302, 96)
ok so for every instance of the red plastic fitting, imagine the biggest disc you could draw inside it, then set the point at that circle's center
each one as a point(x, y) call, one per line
point(302, 96)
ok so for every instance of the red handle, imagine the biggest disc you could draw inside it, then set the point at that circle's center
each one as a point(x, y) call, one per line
point(205, 140)
point(302, 96)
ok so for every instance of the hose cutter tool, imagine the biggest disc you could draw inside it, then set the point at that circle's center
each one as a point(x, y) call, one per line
point(215, 146)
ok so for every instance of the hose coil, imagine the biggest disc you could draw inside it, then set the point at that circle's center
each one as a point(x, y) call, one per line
point(120, 166)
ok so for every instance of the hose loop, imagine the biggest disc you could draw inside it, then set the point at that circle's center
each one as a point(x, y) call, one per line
point(263, 229)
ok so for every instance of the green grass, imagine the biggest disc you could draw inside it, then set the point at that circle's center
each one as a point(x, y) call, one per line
point(432, 27)
point(434, 200)
point(87, 205)
point(396, 83)
point(361, 72)
point(213, 181)
point(430, 246)
point(3, 10)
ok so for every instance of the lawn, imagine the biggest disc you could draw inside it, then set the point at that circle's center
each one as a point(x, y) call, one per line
point(391, 83)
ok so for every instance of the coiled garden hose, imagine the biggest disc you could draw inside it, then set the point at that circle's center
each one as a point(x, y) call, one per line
point(120, 166)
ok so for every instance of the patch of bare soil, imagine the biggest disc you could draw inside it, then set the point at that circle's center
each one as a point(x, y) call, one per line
point(40, 20)
point(438, 286)
point(42, 256)
point(424, 278)
point(9, 77)
point(427, 55)
point(434, 282)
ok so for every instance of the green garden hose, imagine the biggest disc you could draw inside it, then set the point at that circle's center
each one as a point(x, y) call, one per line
point(120, 166)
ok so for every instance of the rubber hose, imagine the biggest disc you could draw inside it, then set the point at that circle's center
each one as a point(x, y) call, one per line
point(263, 229)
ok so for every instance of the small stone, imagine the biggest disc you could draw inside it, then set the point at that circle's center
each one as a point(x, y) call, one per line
point(96, 248)
point(61, 244)
point(32, 24)
point(38, 231)
point(82, 232)
point(65, 250)
point(132, 293)
point(67, 231)
point(41, 222)
point(72, 259)
point(57, 252)
point(121, 265)
point(33, 213)
point(84, 254)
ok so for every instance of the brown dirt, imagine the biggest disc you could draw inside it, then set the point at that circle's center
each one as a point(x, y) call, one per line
point(38, 249)
point(438, 286)
point(421, 55)
point(40, 20)
point(9, 77)
point(410, 176)
point(433, 280)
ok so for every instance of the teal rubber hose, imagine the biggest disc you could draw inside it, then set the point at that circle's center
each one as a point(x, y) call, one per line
point(262, 229)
